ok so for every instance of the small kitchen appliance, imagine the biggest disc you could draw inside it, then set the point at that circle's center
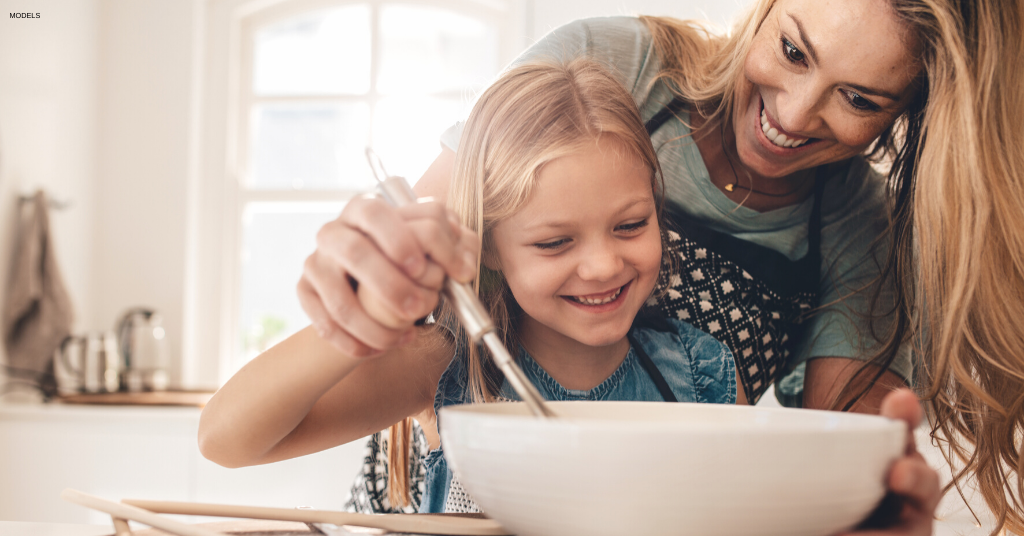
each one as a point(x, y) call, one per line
point(143, 347)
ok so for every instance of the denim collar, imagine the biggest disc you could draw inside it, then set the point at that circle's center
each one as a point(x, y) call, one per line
point(552, 390)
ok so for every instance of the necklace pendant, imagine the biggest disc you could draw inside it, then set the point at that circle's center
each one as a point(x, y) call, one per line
point(730, 187)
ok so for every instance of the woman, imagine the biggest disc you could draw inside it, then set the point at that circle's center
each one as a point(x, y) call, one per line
point(761, 136)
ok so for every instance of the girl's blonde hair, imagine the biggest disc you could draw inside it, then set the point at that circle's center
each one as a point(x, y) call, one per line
point(957, 251)
point(534, 113)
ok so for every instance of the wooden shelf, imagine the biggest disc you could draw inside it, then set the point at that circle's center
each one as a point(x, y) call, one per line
point(153, 398)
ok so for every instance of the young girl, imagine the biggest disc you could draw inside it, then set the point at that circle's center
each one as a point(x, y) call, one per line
point(558, 175)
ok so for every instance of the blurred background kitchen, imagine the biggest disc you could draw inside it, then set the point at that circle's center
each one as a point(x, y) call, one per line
point(188, 151)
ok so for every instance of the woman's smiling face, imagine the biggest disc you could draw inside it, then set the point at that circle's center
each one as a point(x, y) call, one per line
point(822, 79)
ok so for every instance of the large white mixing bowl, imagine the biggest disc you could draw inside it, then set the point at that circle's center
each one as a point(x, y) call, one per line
point(651, 468)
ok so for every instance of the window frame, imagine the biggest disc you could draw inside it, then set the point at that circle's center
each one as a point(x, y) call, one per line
point(218, 200)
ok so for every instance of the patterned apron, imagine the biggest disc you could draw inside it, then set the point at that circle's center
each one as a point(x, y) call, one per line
point(751, 298)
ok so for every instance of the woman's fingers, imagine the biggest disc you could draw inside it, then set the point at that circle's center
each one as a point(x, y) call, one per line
point(393, 252)
point(441, 237)
point(384, 294)
point(918, 484)
point(914, 490)
point(326, 295)
point(345, 249)
point(397, 257)
point(453, 247)
point(325, 326)
point(384, 226)
point(445, 244)
point(914, 493)
point(903, 405)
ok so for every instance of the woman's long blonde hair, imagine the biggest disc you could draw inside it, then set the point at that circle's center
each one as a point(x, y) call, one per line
point(534, 113)
point(957, 227)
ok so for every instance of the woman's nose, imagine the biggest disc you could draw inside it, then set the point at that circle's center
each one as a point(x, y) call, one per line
point(797, 110)
point(600, 263)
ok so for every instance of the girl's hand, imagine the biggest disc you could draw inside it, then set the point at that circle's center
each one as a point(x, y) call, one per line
point(914, 491)
point(398, 257)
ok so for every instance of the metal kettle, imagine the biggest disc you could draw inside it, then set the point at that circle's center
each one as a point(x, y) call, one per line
point(143, 347)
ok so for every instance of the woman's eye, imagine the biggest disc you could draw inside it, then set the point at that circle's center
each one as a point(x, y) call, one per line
point(555, 244)
point(792, 53)
point(860, 102)
point(629, 227)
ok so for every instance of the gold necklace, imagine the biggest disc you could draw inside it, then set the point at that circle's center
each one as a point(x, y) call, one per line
point(736, 180)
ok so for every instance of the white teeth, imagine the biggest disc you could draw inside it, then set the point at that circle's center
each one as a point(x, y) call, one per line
point(777, 137)
point(589, 301)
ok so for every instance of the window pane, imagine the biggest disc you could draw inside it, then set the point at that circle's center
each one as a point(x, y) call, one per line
point(309, 146)
point(407, 130)
point(276, 239)
point(324, 52)
point(428, 50)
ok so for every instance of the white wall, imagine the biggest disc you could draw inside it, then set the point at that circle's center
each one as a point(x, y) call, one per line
point(48, 83)
point(146, 80)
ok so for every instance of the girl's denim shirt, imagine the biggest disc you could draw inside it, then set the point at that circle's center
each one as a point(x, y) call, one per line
point(696, 366)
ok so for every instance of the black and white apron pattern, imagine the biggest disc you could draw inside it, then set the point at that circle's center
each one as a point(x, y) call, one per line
point(749, 297)
point(369, 492)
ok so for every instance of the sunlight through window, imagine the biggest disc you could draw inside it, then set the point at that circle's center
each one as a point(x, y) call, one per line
point(318, 87)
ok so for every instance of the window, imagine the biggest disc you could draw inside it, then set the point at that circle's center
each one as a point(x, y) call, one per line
point(318, 83)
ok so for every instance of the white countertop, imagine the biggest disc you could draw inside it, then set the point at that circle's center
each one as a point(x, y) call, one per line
point(19, 528)
point(60, 411)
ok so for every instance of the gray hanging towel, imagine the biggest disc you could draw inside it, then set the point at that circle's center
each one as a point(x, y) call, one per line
point(38, 314)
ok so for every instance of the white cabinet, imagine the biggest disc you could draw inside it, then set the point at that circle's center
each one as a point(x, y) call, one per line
point(147, 453)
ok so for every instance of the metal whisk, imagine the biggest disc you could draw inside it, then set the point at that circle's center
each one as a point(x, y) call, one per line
point(468, 308)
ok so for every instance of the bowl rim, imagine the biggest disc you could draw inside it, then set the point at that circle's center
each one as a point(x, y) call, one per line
point(845, 422)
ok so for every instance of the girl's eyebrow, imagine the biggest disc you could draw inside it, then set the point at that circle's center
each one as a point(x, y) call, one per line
point(814, 57)
point(561, 224)
point(548, 224)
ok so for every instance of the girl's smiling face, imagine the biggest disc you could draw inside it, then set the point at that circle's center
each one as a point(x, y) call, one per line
point(583, 254)
point(822, 80)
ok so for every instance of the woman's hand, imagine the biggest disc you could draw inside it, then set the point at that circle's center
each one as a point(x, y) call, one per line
point(398, 256)
point(914, 491)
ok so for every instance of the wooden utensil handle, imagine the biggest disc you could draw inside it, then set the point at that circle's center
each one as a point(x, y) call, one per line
point(133, 513)
point(414, 523)
point(121, 527)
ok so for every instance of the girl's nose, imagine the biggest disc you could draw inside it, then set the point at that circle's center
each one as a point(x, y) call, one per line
point(600, 263)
